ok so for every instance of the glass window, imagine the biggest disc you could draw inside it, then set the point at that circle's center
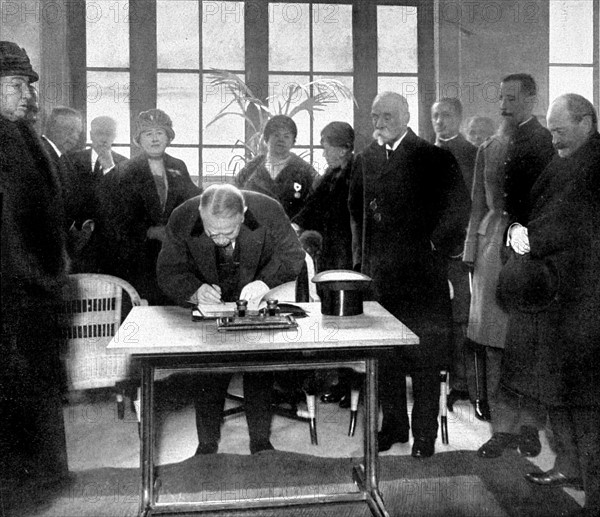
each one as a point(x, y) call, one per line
point(338, 107)
point(409, 88)
point(571, 31)
point(108, 94)
point(220, 165)
point(289, 48)
point(177, 34)
point(397, 39)
point(228, 129)
point(571, 79)
point(178, 96)
point(189, 155)
point(223, 35)
point(107, 34)
point(286, 94)
point(332, 38)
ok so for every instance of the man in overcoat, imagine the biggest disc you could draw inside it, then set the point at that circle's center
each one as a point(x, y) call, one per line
point(553, 346)
point(34, 266)
point(409, 208)
point(225, 245)
point(529, 150)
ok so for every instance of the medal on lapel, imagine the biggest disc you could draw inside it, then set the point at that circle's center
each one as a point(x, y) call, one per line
point(297, 188)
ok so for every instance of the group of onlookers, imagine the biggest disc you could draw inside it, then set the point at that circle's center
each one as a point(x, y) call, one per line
point(488, 252)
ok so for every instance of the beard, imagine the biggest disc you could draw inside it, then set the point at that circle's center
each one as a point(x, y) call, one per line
point(506, 129)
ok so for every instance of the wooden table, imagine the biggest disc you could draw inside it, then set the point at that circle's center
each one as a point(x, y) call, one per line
point(167, 338)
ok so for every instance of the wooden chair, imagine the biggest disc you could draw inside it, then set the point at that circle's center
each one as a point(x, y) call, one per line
point(91, 316)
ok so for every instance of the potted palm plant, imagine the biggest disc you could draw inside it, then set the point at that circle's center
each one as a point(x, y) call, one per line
point(316, 96)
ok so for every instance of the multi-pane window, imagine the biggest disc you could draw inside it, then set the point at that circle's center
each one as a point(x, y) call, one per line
point(572, 41)
point(397, 61)
point(311, 42)
point(143, 54)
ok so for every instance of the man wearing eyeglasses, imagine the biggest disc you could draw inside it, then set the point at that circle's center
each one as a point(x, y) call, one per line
point(222, 246)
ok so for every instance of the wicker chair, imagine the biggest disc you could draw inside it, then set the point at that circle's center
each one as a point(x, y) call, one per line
point(91, 316)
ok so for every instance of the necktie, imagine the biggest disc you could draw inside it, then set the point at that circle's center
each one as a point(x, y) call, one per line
point(97, 168)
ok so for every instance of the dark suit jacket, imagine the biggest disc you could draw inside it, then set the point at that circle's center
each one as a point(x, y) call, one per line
point(401, 208)
point(132, 205)
point(83, 185)
point(465, 154)
point(529, 151)
point(268, 246)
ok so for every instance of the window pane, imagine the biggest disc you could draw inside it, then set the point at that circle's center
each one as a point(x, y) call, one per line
point(288, 37)
point(227, 130)
point(332, 38)
point(178, 97)
point(125, 151)
point(223, 35)
point(338, 108)
point(409, 88)
point(177, 34)
point(284, 87)
point(563, 79)
point(102, 19)
point(108, 95)
point(220, 165)
point(189, 155)
point(571, 31)
point(396, 39)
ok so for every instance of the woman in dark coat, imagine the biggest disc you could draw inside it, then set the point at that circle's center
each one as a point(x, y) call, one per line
point(279, 174)
point(140, 195)
point(326, 210)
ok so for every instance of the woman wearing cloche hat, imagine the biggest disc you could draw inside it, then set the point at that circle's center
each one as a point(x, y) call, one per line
point(142, 194)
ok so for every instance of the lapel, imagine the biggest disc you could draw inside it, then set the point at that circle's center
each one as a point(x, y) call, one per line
point(148, 189)
point(396, 159)
point(174, 182)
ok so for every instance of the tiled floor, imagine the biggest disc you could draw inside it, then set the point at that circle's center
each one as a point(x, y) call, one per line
point(97, 438)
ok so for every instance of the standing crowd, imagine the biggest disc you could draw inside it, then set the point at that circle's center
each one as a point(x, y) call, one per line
point(487, 247)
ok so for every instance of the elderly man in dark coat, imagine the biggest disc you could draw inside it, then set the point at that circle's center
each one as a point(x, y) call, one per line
point(409, 208)
point(34, 265)
point(223, 246)
point(552, 286)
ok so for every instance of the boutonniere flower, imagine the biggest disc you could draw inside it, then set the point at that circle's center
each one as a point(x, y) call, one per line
point(297, 188)
point(174, 172)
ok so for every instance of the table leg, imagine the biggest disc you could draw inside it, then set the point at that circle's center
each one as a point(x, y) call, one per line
point(147, 445)
point(366, 475)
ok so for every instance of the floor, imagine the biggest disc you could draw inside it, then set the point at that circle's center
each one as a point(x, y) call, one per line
point(97, 438)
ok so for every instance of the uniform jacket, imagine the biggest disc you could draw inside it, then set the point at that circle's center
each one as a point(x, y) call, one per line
point(269, 249)
point(291, 187)
point(401, 209)
point(485, 239)
point(132, 205)
point(465, 153)
point(554, 355)
point(326, 211)
point(529, 151)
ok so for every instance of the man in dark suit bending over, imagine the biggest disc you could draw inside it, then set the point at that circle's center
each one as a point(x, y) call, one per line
point(226, 245)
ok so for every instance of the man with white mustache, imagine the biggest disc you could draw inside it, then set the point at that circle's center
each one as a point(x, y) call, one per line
point(409, 208)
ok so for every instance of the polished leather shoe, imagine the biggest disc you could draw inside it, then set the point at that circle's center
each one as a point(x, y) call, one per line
point(207, 448)
point(423, 448)
point(454, 396)
point(553, 478)
point(386, 439)
point(482, 410)
point(495, 446)
point(529, 441)
point(261, 446)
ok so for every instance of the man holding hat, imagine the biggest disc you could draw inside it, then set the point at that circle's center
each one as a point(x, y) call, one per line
point(551, 287)
point(33, 270)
